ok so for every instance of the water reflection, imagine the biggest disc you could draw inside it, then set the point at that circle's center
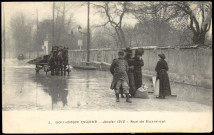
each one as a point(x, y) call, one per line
point(82, 90)
point(56, 87)
point(87, 80)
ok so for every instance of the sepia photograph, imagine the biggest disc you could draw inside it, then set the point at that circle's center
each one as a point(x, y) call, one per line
point(107, 67)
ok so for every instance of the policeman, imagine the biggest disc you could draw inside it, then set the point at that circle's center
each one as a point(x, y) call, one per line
point(119, 68)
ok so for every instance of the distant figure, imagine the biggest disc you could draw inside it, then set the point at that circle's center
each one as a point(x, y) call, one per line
point(162, 75)
point(118, 69)
point(130, 62)
point(138, 63)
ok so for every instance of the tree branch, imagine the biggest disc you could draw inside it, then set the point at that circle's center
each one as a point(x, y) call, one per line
point(122, 14)
point(108, 15)
point(208, 28)
point(196, 23)
point(98, 6)
point(172, 16)
point(191, 25)
point(185, 10)
point(202, 13)
point(102, 25)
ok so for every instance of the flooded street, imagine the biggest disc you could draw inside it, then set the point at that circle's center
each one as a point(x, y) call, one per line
point(81, 90)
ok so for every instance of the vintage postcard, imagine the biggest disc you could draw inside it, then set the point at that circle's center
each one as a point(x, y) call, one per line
point(107, 67)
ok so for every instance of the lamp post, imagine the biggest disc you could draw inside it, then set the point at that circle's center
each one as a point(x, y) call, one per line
point(88, 34)
point(53, 25)
point(88, 37)
point(4, 33)
point(80, 42)
point(88, 42)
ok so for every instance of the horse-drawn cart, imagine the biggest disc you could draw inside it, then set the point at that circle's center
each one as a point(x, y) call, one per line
point(56, 62)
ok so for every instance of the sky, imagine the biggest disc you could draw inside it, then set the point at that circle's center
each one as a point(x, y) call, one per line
point(78, 10)
point(45, 12)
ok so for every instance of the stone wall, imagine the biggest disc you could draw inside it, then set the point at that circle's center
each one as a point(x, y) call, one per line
point(189, 65)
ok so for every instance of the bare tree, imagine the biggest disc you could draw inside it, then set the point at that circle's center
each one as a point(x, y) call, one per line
point(63, 20)
point(153, 28)
point(200, 19)
point(109, 31)
point(196, 16)
point(114, 13)
point(21, 29)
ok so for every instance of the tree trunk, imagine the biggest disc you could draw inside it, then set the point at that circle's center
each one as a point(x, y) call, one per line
point(123, 39)
point(118, 36)
point(199, 38)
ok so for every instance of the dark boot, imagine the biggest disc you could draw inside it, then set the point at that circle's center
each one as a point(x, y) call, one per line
point(117, 98)
point(127, 98)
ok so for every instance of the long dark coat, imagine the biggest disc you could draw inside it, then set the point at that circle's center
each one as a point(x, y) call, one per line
point(115, 68)
point(138, 63)
point(162, 75)
point(130, 62)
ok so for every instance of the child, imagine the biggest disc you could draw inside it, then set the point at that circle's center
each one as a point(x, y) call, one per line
point(119, 68)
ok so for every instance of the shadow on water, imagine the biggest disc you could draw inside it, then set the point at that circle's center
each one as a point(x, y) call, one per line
point(65, 89)
point(55, 86)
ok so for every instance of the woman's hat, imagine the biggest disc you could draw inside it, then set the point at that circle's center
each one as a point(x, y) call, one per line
point(162, 56)
point(128, 50)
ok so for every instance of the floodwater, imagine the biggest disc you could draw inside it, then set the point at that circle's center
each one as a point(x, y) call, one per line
point(23, 89)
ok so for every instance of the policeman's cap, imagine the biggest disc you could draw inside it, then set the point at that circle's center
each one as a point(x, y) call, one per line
point(121, 53)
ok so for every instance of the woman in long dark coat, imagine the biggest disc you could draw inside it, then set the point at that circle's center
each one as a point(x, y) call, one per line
point(162, 75)
point(138, 64)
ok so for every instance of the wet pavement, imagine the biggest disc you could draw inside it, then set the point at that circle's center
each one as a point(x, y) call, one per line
point(87, 90)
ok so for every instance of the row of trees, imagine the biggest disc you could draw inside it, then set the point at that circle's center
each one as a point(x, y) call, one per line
point(29, 34)
point(190, 21)
point(159, 23)
point(22, 29)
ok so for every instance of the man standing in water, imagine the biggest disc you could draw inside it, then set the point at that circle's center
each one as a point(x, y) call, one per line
point(119, 68)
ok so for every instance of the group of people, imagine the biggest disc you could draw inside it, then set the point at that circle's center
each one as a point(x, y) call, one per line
point(127, 74)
